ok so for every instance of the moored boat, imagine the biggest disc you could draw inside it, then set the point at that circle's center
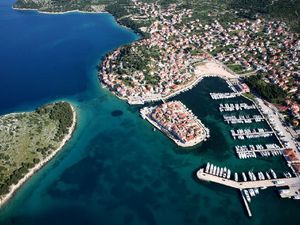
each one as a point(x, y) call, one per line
point(244, 177)
point(236, 178)
point(207, 167)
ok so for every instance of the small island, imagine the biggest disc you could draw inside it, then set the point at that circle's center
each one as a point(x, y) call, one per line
point(29, 140)
point(177, 122)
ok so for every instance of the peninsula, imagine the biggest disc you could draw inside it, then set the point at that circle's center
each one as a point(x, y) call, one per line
point(29, 140)
point(177, 122)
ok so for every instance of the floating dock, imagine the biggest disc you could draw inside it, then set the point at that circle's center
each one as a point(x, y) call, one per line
point(235, 107)
point(243, 119)
point(250, 151)
point(247, 133)
point(226, 95)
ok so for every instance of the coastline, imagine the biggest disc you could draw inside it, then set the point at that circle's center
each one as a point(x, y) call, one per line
point(37, 167)
point(212, 69)
point(57, 13)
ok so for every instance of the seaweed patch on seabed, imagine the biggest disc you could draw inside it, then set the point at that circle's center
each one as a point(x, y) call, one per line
point(117, 113)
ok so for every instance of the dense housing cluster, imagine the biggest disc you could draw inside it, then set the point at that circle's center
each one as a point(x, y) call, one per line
point(178, 122)
point(260, 47)
point(155, 67)
point(159, 66)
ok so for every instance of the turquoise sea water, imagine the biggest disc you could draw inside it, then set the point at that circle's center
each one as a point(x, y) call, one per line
point(115, 169)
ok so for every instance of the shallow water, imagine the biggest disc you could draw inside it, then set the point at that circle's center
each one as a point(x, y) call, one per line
point(115, 169)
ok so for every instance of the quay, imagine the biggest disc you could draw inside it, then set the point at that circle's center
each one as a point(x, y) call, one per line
point(280, 182)
point(293, 184)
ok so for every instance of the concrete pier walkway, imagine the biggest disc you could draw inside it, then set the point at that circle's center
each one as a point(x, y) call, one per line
point(291, 182)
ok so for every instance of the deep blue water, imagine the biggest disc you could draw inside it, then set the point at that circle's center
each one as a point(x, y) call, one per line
point(115, 170)
point(45, 56)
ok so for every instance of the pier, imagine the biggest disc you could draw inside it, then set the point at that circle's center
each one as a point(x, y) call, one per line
point(293, 184)
point(235, 107)
point(226, 95)
point(250, 151)
point(281, 182)
point(243, 119)
point(247, 133)
point(246, 204)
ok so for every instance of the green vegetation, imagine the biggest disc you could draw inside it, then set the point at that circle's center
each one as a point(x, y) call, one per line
point(28, 138)
point(287, 10)
point(249, 95)
point(204, 10)
point(237, 68)
point(141, 60)
point(270, 92)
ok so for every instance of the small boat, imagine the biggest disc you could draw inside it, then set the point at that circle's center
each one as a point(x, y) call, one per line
point(262, 176)
point(218, 171)
point(228, 174)
point(215, 170)
point(221, 172)
point(268, 176)
point(246, 194)
point(250, 175)
point(211, 168)
point(251, 192)
point(236, 178)
point(256, 190)
point(273, 174)
point(207, 167)
point(225, 172)
point(296, 197)
point(244, 176)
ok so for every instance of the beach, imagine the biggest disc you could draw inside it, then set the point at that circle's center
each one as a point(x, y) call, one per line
point(43, 162)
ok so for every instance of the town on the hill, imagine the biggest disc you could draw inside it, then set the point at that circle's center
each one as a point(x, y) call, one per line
point(164, 63)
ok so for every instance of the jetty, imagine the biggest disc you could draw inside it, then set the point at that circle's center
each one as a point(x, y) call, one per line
point(235, 107)
point(250, 151)
point(248, 133)
point(243, 119)
point(292, 183)
point(225, 95)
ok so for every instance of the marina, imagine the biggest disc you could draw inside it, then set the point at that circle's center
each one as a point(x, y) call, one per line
point(235, 107)
point(244, 152)
point(248, 133)
point(288, 186)
point(227, 95)
point(241, 119)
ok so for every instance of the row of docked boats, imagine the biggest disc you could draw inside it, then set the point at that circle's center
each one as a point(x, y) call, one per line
point(235, 107)
point(248, 133)
point(225, 95)
point(245, 152)
point(232, 119)
point(260, 175)
point(251, 192)
point(226, 173)
point(218, 171)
